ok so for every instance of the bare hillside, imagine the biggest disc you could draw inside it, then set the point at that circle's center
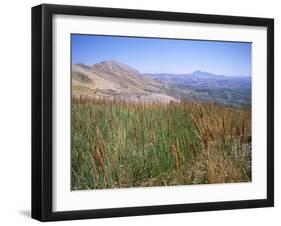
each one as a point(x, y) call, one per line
point(110, 79)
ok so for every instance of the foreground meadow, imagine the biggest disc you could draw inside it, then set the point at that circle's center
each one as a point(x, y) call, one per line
point(120, 144)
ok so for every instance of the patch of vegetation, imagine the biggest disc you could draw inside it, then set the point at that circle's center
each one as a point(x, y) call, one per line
point(227, 96)
point(128, 144)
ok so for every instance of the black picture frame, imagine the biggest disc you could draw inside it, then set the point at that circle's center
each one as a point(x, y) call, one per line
point(42, 107)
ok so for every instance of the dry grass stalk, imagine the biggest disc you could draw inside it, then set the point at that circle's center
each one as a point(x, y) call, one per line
point(175, 150)
point(95, 171)
point(99, 154)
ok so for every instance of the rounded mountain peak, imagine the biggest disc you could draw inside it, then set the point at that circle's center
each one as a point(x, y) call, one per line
point(113, 65)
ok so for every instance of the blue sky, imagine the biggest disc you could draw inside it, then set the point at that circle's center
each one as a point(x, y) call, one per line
point(152, 55)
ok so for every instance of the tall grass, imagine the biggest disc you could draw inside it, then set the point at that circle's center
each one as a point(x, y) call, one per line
point(120, 144)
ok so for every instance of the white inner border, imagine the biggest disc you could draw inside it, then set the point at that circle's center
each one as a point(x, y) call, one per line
point(65, 199)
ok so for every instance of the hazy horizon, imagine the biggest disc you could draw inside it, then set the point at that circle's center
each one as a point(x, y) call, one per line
point(170, 56)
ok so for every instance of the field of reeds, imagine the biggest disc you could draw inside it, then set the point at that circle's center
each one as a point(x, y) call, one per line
point(121, 144)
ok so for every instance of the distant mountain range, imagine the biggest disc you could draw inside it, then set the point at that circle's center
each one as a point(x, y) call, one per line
point(111, 79)
point(204, 79)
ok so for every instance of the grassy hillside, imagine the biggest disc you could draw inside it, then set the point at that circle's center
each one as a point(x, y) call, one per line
point(122, 144)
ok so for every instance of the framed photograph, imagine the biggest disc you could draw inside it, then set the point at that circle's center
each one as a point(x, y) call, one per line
point(145, 112)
